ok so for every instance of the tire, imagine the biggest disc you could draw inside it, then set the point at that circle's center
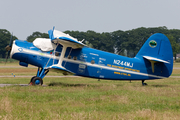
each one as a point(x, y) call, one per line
point(37, 81)
point(32, 78)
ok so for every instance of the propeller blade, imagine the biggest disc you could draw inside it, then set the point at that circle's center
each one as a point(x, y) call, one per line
point(8, 48)
point(7, 57)
point(10, 44)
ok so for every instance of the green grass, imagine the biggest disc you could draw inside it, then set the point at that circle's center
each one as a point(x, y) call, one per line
point(82, 98)
point(86, 98)
point(175, 75)
point(176, 64)
point(3, 60)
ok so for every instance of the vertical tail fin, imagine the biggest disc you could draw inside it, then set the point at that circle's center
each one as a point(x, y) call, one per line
point(158, 51)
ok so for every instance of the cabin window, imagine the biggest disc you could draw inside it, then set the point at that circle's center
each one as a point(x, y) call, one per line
point(57, 53)
point(69, 57)
point(92, 61)
point(75, 58)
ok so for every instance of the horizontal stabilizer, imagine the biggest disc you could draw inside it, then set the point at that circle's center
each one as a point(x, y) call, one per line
point(155, 59)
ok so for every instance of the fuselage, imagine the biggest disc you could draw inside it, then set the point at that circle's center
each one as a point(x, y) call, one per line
point(87, 62)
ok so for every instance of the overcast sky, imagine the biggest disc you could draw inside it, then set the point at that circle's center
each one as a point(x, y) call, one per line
point(24, 17)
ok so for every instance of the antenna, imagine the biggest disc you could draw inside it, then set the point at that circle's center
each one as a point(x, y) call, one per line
point(82, 40)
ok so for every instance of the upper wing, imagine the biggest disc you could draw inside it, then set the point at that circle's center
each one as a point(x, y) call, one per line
point(64, 39)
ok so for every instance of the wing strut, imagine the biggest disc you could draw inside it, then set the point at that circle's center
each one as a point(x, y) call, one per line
point(62, 56)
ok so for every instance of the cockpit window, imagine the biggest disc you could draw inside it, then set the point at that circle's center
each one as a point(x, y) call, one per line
point(75, 58)
point(69, 57)
point(92, 61)
point(57, 53)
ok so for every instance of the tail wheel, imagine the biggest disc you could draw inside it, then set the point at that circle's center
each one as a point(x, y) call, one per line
point(37, 81)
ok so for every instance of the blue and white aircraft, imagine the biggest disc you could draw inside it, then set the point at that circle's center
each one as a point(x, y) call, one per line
point(65, 54)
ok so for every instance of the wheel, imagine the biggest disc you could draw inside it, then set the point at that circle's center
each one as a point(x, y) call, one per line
point(37, 81)
point(144, 84)
point(30, 83)
point(32, 79)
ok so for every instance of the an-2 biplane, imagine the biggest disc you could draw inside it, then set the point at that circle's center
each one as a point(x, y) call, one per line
point(63, 53)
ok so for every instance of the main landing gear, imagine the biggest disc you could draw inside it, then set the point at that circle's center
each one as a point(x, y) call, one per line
point(37, 80)
point(143, 83)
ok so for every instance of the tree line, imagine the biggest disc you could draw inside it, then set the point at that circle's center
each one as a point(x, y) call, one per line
point(126, 43)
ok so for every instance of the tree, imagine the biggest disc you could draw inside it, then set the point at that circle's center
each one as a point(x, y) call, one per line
point(107, 43)
point(88, 44)
point(35, 35)
point(120, 42)
point(118, 38)
point(131, 41)
point(101, 41)
point(5, 36)
point(175, 46)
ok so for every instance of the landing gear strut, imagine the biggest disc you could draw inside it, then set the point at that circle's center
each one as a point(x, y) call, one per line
point(143, 83)
point(37, 80)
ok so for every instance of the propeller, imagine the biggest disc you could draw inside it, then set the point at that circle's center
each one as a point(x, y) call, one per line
point(8, 48)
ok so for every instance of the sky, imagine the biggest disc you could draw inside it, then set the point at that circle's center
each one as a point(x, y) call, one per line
point(23, 17)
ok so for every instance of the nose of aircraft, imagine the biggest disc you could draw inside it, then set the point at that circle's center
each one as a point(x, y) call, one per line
point(12, 49)
point(17, 47)
point(19, 50)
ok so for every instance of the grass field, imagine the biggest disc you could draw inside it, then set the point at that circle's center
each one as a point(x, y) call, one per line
point(82, 98)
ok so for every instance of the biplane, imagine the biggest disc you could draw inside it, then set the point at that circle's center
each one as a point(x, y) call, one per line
point(64, 53)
